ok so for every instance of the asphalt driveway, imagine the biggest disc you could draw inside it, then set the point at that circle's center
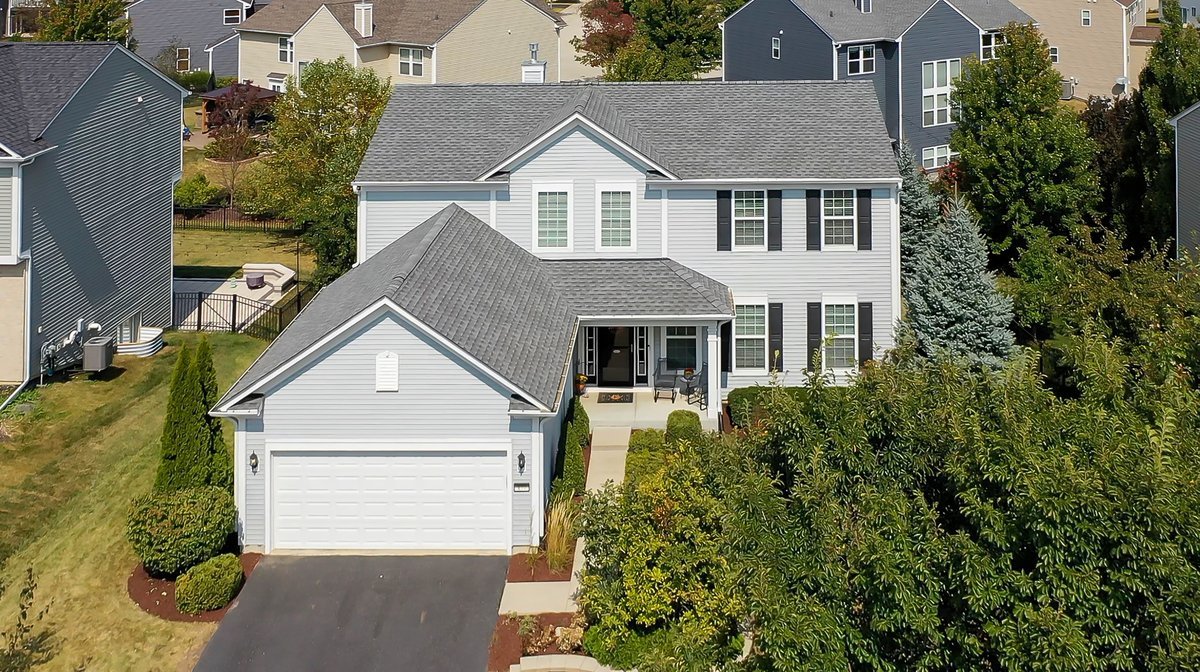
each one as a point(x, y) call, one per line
point(363, 613)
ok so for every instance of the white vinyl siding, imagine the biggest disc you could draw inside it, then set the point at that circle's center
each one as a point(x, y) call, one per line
point(6, 212)
point(394, 213)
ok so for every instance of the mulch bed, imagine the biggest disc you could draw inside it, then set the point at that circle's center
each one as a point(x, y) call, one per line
point(506, 643)
point(157, 596)
point(519, 571)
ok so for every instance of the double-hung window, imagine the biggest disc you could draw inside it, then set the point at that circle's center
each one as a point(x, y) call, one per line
point(1085, 17)
point(552, 217)
point(860, 60)
point(937, 80)
point(287, 50)
point(838, 217)
point(933, 158)
point(1054, 55)
point(616, 217)
point(682, 348)
point(988, 44)
point(233, 17)
point(750, 219)
point(775, 48)
point(183, 59)
point(412, 62)
point(750, 337)
point(840, 336)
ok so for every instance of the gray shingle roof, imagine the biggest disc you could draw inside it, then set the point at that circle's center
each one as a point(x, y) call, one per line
point(889, 19)
point(698, 130)
point(515, 313)
point(619, 287)
point(37, 79)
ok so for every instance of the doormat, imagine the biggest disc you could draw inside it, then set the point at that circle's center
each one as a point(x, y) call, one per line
point(616, 398)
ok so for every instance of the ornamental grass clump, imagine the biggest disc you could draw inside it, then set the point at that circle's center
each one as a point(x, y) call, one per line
point(560, 532)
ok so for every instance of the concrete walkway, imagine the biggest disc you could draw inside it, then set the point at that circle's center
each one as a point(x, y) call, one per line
point(609, 447)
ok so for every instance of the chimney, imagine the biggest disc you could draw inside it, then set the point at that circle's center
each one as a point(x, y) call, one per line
point(533, 71)
point(364, 18)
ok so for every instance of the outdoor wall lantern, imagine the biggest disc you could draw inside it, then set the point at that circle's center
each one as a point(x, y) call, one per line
point(521, 462)
point(253, 462)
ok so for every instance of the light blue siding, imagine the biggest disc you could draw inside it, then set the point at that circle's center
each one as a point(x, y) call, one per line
point(254, 508)
point(1187, 155)
point(941, 34)
point(394, 213)
point(97, 210)
point(520, 429)
point(6, 207)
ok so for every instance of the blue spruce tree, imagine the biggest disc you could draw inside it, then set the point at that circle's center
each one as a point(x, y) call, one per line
point(920, 210)
point(953, 307)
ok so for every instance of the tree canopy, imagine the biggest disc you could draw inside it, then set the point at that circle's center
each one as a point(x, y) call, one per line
point(85, 21)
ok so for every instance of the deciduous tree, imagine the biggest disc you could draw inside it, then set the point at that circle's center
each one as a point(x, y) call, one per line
point(231, 128)
point(607, 26)
point(85, 21)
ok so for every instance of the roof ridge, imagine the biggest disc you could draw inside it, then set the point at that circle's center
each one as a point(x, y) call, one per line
point(690, 278)
point(441, 223)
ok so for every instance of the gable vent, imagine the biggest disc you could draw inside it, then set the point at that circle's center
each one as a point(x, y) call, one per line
point(387, 372)
point(364, 18)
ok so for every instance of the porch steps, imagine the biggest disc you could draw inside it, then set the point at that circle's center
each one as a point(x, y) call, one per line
point(558, 663)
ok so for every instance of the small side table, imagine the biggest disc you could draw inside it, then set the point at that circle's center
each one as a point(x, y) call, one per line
point(689, 385)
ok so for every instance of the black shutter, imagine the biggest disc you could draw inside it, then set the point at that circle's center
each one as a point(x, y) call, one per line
point(726, 345)
point(775, 336)
point(814, 333)
point(724, 221)
point(866, 342)
point(864, 219)
point(774, 221)
point(813, 212)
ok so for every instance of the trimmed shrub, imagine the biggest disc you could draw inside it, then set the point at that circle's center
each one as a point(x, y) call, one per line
point(630, 651)
point(574, 474)
point(683, 426)
point(647, 441)
point(197, 192)
point(645, 453)
point(171, 532)
point(580, 417)
point(209, 585)
point(745, 403)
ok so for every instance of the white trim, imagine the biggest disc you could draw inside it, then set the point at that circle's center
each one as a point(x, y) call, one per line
point(562, 128)
point(377, 309)
point(839, 247)
point(835, 61)
point(766, 182)
point(620, 187)
point(433, 65)
point(776, 48)
point(210, 47)
point(938, 90)
point(699, 338)
point(644, 318)
point(839, 300)
point(28, 319)
point(894, 227)
point(492, 207)
point(15, 233)
point(537, 518)
point(900, 94)
point(765, 303)
point(861, 60)
point(240, 466)
point(553, 187)
point(663, 218)
point(361, 233)
point(766, 201)
point(400, 60)
point(1088, 14)
point(930, 8)
point(448, 185)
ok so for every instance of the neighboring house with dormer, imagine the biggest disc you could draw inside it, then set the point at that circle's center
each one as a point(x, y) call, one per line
point(1095, 44)
point(410, 41)
point(910, 50)
point(190, 35)
point(84, 248)
point(513, 236)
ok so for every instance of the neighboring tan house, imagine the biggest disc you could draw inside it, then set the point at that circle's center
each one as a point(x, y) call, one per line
point(85, 247)
point(911, 51)
point(410, 41)
point(190, 35)
point(513, 236)
point(1187, 180)
point(1091, 42)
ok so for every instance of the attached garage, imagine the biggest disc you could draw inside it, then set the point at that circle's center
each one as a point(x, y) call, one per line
point(389, 497)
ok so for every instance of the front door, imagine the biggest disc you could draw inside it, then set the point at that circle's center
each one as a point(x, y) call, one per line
point(615, 355)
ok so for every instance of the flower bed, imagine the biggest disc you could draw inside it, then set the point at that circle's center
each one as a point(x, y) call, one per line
point(157, 596)
point(520, 569)
point(516, 636)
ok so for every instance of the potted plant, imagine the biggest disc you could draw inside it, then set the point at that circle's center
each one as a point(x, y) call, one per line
point(580, 384)
point(689, 372)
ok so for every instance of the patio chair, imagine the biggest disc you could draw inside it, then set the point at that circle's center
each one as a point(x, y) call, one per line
point(664, 380)
point(699, 391)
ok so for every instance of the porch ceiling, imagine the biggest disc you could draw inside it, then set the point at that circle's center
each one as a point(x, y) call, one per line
point(638, 287)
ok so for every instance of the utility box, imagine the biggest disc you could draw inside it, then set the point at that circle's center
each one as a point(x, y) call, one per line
point(98, 353)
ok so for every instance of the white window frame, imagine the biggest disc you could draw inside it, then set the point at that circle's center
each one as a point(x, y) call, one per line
point(839, 300)
point(733, 220)
point(936, 90)
point(569, 189)
point(234, 14)
point(1085, 18)
point(1055, 55)
point(757, 302)
point(861, 59)
point(415, 60)
point(287, 50)
point(631, 189)
point(988, 42)
point(696, 365)
point(937, 154)
point(181, 58)
point(853, 244)
point(276, 84)
point(775, 45)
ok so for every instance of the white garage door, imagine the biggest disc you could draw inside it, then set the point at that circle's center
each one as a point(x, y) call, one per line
point(429, 499)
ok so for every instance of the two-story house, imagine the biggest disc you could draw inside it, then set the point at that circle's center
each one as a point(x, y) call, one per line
point(1187, 180)
point(911, 51)
point(511, 237)
point(190, 35)
point(84, 249)
point(410, 41)
point(1095, 44)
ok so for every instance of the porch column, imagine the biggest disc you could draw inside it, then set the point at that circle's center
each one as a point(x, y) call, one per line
point(714, 370)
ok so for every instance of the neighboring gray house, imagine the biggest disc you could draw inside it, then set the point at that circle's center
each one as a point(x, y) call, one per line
point(1191, 11)
point(910, 50)
point(1187, 180)
point(191, 34)
point(85, 248)
point(533, 232)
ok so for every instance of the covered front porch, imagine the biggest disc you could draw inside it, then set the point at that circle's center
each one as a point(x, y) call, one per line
point(641, 412)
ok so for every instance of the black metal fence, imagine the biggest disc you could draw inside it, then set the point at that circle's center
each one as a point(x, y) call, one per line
point(202, 311)
point(228, 219)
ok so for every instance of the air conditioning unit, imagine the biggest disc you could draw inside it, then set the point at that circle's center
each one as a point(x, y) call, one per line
point(98, 353)
point(1068, 89)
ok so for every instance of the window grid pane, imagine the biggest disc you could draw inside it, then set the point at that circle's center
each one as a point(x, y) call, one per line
point(616, 219)
point(839, 217)
point(552, 219)
point(749, 218)
point(937, 85)
point(839, 334)
point(681, 353)
point(751, 354)
point(750, 321)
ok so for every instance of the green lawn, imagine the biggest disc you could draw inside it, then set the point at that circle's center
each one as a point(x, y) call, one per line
point(220, 254)
point(66, 480)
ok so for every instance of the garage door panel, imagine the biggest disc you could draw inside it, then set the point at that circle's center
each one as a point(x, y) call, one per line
point(328, 500)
